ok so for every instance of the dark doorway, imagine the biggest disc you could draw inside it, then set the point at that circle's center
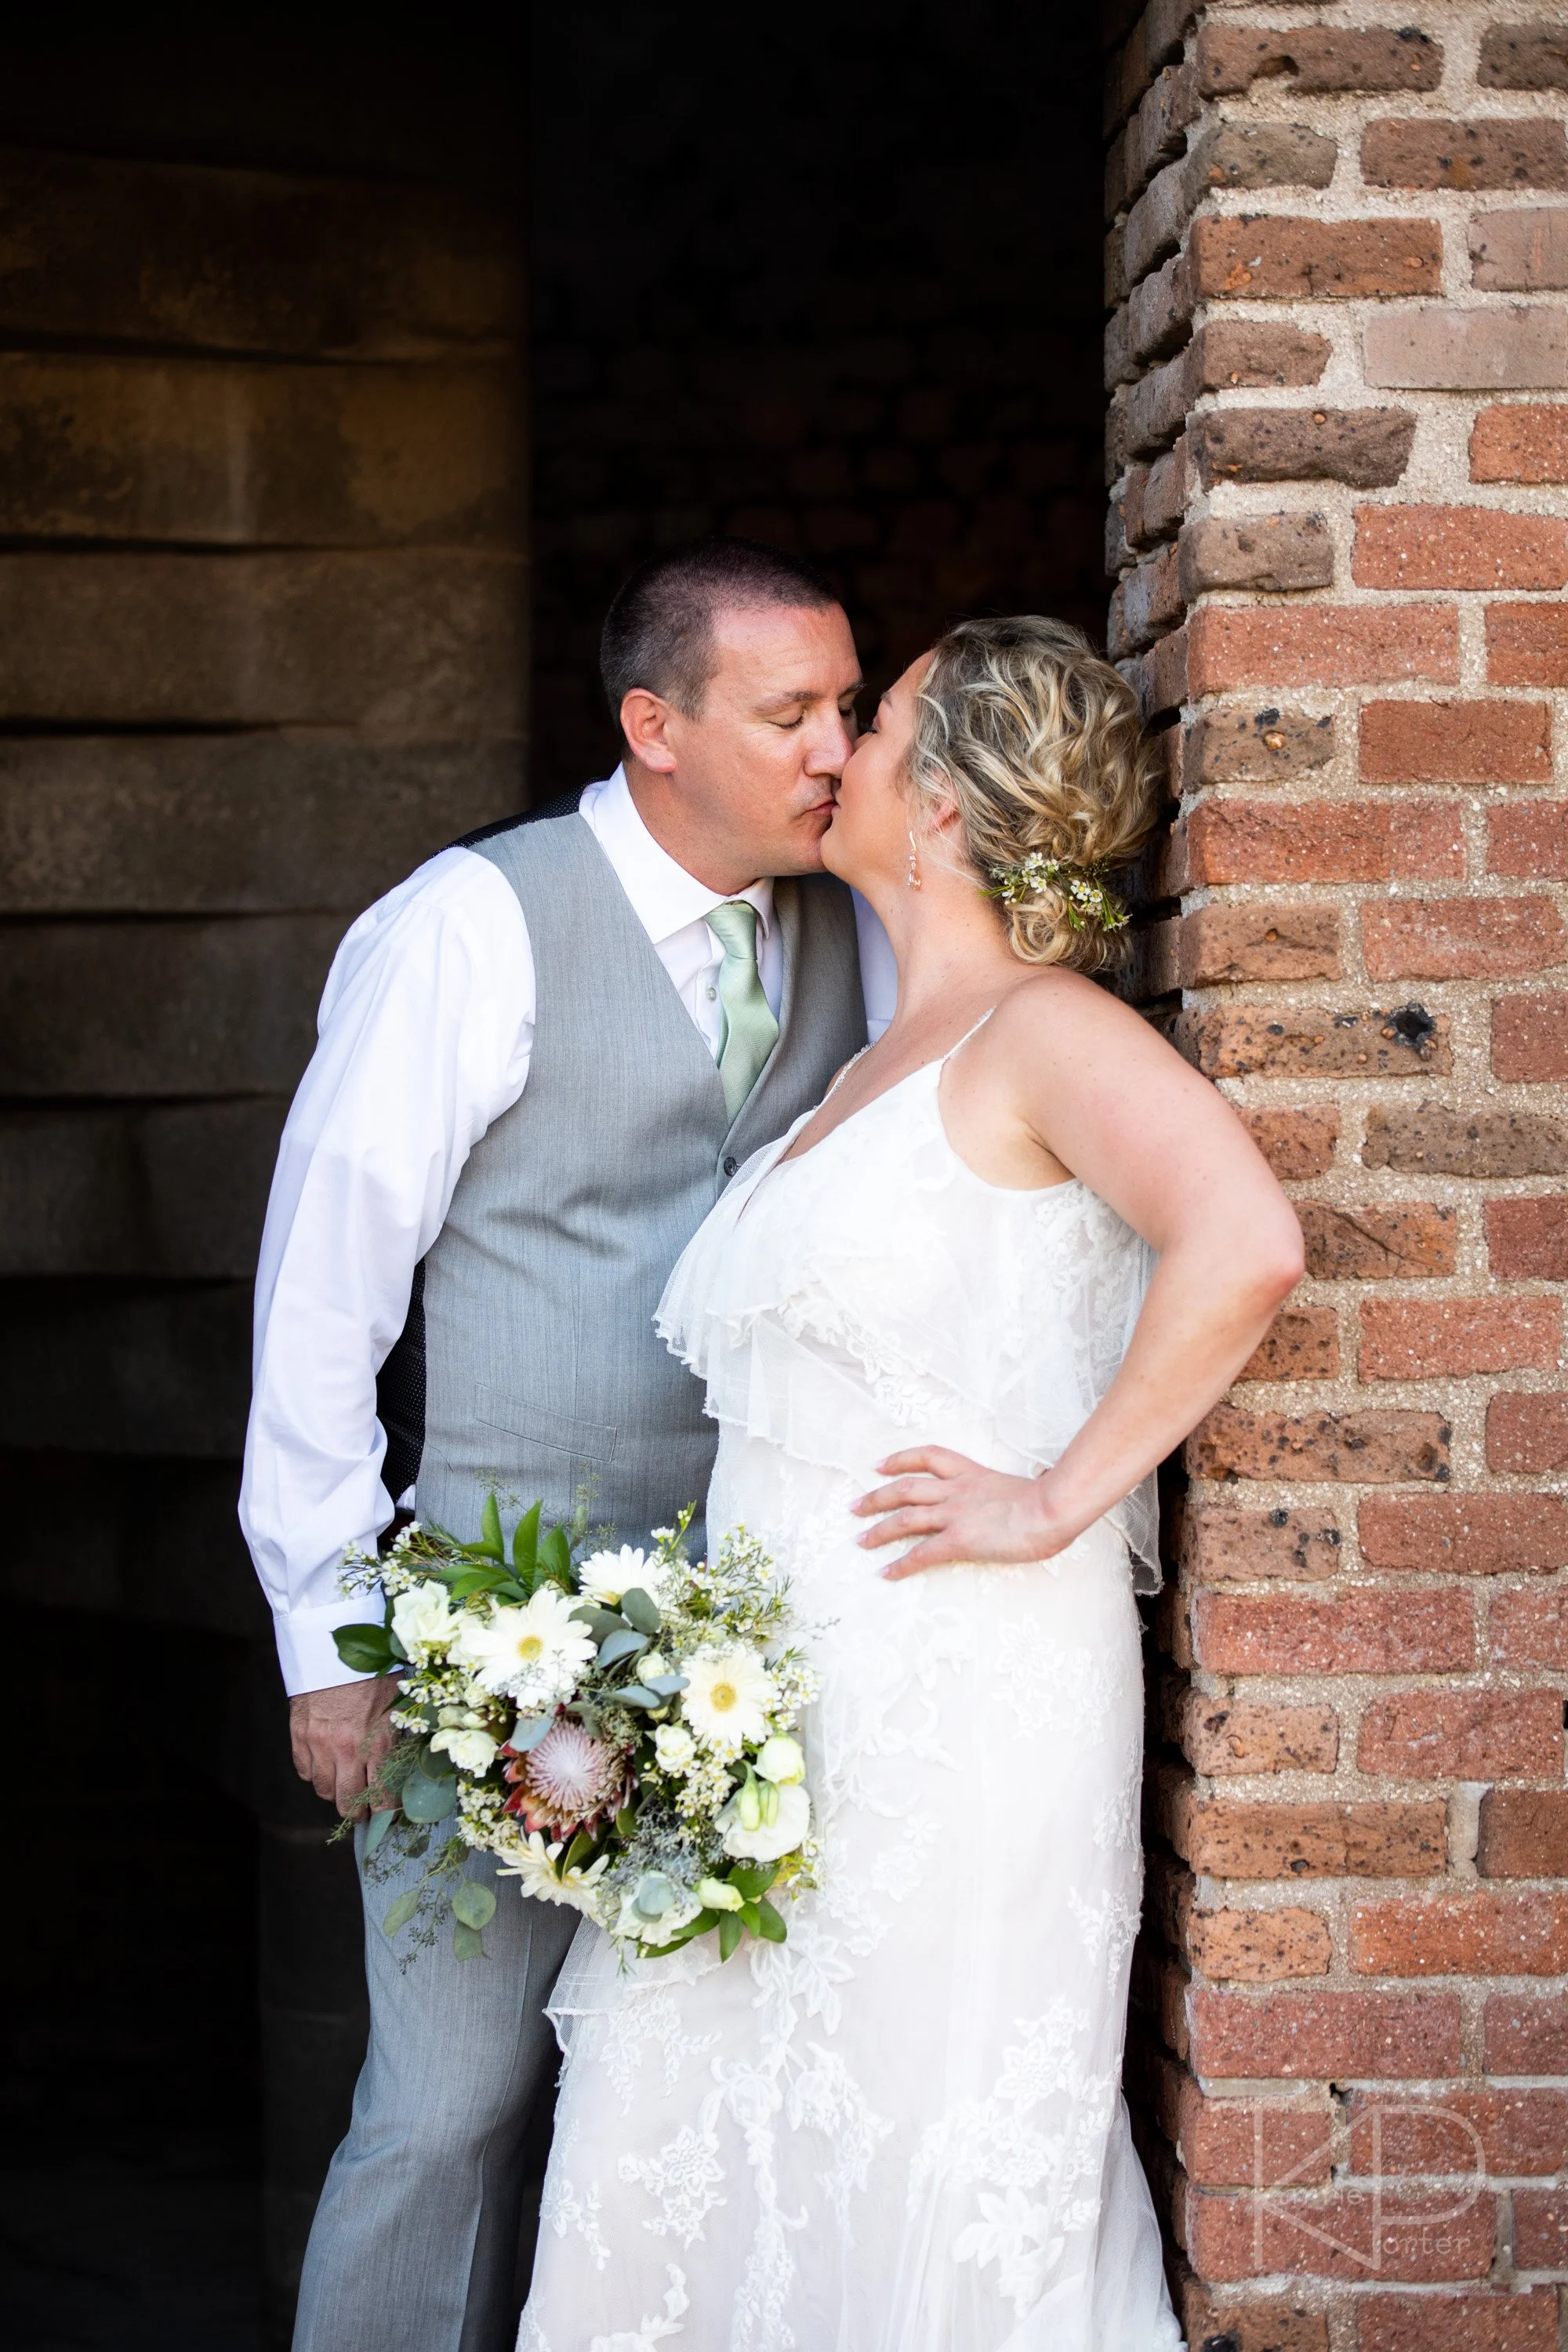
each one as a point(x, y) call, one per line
point(826, 275)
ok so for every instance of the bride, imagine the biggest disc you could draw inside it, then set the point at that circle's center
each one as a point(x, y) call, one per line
point(948, 1325)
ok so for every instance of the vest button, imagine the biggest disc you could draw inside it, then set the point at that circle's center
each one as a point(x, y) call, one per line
point(731, 1164)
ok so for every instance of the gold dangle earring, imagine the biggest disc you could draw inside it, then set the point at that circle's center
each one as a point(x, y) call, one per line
point(914, 876)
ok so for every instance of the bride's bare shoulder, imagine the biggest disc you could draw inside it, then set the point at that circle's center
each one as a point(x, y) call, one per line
point(1053, 1007)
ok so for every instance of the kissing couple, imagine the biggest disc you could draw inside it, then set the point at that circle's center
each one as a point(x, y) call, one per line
point(746, 1130)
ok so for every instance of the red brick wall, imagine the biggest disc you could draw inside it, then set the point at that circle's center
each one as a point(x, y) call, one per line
point(1338, 363)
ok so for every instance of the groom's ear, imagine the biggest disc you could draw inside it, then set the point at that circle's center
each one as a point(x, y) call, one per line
point(644, 723)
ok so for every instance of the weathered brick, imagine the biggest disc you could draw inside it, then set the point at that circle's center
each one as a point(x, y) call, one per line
point(1523, 252)
point(1306, 1041)
point(1296, 1144)
point(1527, 1433)
point(1321, 840)
point(1255, 942)
point(1252, 746)
point(1530, 841)
point(1260, 1947)
point(1419, 1339)
point(1457, 547)
point(1515, 444)
point(1464, 2132)
point(1462, 1935)
point(1426, 1140)
point(1274, 552)
point(1219, 1736)
point(1465, 1534)
point(1228, 155)
point(1227, 1839)
point(1455, 743)
point(1369, 1245)
point(1460, 938)
point(1239, 350)
point(1373, 1448)
point(1411, 2234)
point(1540, 2229)
point(1524, 57)
point(1147, 603)
point(1247, 2143)
point(1356, 1630)
point(1155, 132)
point(1159, 677)
point(1367, 448)
point(1156, 498)
point(1527, 644)
point(1302, 1343)
point(1530, 1036)
point(1526, 2034)
point(1495, 151)
point(1530, 1629)
point(1463, 1736)
point(1328, 644)
point(1459, 2323)
point(1524, 1832)
point(1273, 258)
point(1268, 2322)
point(1323, 2036)
point(1160, 308)
point(1505, 346)
point(1220, 1545)
point(1528, 1240)
point(1315, 58)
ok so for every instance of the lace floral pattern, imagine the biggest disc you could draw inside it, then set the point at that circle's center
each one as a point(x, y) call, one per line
point(900, 2131)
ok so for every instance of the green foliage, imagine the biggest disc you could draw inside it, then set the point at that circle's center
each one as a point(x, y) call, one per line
point(365, 1649)
point(474, 1904)
point(490, 1540)
point(401, 1913)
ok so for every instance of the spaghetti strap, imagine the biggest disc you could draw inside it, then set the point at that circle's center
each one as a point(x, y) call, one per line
point(964, 1041)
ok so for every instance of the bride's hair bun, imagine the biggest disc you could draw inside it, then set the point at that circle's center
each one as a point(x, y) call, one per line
point(1039, 741)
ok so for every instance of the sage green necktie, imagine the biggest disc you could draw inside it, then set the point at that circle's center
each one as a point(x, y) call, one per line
point(750, 1030)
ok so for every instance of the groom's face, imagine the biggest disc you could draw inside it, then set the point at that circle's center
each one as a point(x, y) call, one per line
point(747, 783)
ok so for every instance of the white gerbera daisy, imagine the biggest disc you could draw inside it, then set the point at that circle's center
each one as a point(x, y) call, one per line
point(531, 1861)
point(727, 1698)
point(532, 1655)
point(607, 1576)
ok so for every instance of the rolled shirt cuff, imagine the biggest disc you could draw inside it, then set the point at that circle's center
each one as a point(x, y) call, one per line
point(306, 1650)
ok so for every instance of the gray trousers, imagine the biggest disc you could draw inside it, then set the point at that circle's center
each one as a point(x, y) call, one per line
point(414, 2243)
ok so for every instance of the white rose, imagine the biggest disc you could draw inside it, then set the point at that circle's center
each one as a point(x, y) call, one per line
point(422, 1617)
point(770, 1840)
point(674, 1747)
point(470, 1751)
point(780, 1760)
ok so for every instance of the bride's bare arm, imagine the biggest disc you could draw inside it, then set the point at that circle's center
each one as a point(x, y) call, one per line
point(1067, 1069)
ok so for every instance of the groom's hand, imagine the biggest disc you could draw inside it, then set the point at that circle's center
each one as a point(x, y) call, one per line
point(340, 1735)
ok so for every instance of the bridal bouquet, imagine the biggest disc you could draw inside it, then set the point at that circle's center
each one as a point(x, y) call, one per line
point(616, 1729)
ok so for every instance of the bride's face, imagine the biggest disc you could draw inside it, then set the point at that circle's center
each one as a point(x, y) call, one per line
point(867, 841)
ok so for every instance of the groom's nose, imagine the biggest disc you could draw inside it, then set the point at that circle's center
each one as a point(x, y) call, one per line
point(831, 741)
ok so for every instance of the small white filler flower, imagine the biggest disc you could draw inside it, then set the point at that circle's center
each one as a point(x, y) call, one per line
point(728, 1696)
point(533, 1653)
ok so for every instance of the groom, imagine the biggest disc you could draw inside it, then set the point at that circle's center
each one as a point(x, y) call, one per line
point(540, 1060)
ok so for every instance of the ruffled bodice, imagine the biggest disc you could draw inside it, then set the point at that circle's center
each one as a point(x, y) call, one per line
point(876, 1293)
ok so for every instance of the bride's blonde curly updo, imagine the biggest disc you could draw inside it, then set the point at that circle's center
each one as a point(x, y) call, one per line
point(1039, 741)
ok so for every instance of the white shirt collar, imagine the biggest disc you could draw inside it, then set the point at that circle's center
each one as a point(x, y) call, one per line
point(664, 897)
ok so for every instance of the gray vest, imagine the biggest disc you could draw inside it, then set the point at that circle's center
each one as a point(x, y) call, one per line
point(540, 1371)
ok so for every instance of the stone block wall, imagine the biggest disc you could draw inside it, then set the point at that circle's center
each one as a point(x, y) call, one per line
point(1337, 364)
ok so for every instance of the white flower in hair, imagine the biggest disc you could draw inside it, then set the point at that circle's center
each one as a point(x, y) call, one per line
point(1089, 902)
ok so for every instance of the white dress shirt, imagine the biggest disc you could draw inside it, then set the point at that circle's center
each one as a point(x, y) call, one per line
point(425, 1033)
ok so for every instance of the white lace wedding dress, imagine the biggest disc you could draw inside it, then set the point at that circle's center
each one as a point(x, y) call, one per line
point(901, 2131)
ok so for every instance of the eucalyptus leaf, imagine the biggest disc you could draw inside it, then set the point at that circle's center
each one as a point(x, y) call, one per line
point(639, 1610)
point(401, 1913)
point(474, 1904)
point(770, 1927)
point(624, 1645)
point(666, 1685)
point(730, 1932)
point(525, 1542)
point(634, 1695)
point(426, 1801)
point(468, 1944)
point(364, 1649)
point(436, 1765)
point(693, 1928)
point(601, 1623)
point(375, 1836)
point(489, 1529)
point(528, 1731)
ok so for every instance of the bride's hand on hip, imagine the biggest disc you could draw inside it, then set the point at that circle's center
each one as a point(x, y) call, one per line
point(959, 1511)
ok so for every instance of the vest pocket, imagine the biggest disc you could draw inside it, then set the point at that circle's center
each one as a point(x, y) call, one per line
point(541, 1424)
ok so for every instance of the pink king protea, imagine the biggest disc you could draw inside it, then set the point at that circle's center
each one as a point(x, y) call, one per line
point(569, 1781)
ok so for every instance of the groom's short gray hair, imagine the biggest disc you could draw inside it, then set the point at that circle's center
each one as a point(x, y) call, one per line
point(658, 633)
